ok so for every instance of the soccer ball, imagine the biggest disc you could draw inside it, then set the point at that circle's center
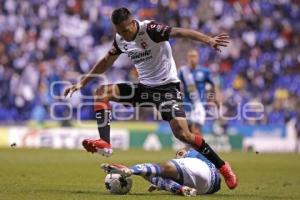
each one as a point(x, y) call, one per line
point(117, 184)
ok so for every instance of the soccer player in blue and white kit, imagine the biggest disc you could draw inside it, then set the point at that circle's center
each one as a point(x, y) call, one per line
point(189, 174)
point(196, 83)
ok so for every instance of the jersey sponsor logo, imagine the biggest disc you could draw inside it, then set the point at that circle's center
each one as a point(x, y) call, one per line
point(135, 55)
point(125, 47)
point(138, 57)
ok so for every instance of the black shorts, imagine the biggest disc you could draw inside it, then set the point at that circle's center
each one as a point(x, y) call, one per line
point(166, 98)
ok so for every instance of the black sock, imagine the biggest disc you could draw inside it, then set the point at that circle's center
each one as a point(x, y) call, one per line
point(211, 155)
point(103, 123)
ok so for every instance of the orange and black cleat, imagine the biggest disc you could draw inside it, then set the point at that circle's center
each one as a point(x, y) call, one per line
point(99, 146)
point(229, 176)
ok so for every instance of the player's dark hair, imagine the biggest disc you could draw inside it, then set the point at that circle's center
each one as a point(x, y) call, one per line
point(119, 15)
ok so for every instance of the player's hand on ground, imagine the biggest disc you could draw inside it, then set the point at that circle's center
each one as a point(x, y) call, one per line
point(218, 41)
point(70, 90)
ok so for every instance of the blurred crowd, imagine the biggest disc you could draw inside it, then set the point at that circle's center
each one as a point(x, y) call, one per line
point(46, 42)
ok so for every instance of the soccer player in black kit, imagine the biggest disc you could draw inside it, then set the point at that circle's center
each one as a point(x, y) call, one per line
point(146, 44)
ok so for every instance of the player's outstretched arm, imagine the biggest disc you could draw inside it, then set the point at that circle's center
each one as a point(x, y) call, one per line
point(215, 42)
point(100, 67)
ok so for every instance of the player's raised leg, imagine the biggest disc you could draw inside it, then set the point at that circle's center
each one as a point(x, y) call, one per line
point(181, 131)
point(102, 96)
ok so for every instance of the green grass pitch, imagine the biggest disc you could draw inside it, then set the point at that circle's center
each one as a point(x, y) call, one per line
point(37, 174)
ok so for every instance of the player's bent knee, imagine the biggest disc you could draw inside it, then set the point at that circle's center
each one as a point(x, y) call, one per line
point(104, 93)
point(167, 169)
point(99, 92)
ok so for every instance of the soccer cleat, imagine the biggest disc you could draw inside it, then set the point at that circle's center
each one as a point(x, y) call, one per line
point(229, 176)
point(105, 152)
point(99, 146)
point(188, 192)
point(89, 145)
point(116, 168)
